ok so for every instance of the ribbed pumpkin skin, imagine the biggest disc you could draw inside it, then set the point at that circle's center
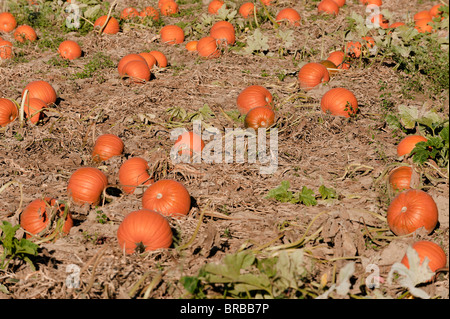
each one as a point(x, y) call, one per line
point(149, 58)
point(169, 8)
point(312, 74)
point(32, 107)
point(69, 50)
point(112, 27)
point(337, 57)
point(434, 253)
point(207, 48)
point(25, 33)
point(7, 22)
point(8, 111)
point(172, 34)
point(214, 6)
point(167, 197)
point(408, 143)
point(411, 210)
point(41, 90)
point(191, 46)
point(422, 15)
point(160, 57)
point(86, 185)
point(144, 227)
point(328, 6)
point(253, 96)
point(259, 117)
point(5, 49)
point(138, 71)
point(339, 102)
point(134, 172)
point(247, 9)
point(331, 67)
point(189, 143)
point(220, 24)
point(400, 178)
point(107, 146)
point(224, 35)
point(35, 218)
point(128, 58)
point(149, 11)
point(423, 26)
point(290, 15)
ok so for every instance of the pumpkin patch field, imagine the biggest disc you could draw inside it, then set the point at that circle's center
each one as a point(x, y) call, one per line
point(224, 149)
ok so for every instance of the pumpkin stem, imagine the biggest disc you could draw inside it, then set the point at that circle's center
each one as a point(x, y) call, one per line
point(404, 209)
point(159, 196)
point(140, 248)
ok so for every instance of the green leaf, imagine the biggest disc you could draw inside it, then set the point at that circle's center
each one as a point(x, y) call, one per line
point(408, 116)
point(327, 193)
point(282, 193)
point(307, 197)
point(190, 283)
point(257, 42)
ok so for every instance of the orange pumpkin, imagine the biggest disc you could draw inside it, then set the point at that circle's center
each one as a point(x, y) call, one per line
point(435, 10)
point(129, 13)
point(222, 23)
point(86, 185)
point(127, 58)
point(328, 7)
point(339, 102)
point(69, 50)
point(191, 45)
point(144, 230)
point(133, 173)
point(423, 25)
point(400, 178)
point(161, 59)
point(312, 74)
point(167, 197)
point(247, 9)
point(435, 254)
point(340, 3)
point(267, 2)
point(369, 41)
point(107, 146)
point(25, 33)
point(380, 20)
point(353, 49)
point(149, 11)
point(41, 90)
point(423, 15)
point(338, 57)
point(259, 117)
point(33, 109)
point(36, 216)
point(172, 34)
point(253, 96)
point(214, 6)
point(112, 26)
point(5, 49)
point(373, 2)
point(8, 111)
point(411, 210)
point(137, 71)
point(207, 48)
point(224, 35)
point(396, 25)
point(189, 143)
point(149, 58)
point(331, 67)
point(290, 15)
point(169, 8)
point(408, 143)
point(7, 22)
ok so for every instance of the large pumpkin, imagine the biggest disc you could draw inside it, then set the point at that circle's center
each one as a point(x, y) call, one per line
point(411, 210)
point(41, 90)
point(168, 197)
point(144, 230)
point(312, 74)
point(400, 178)
point(253, 96)
point(107, 146)
point(133, 173)
point(8, 111)
point(432, 251)
point(339, 102)
point(86, 185)
point(408, 143)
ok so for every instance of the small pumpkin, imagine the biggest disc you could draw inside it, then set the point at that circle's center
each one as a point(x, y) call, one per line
point(7, 22)
point(107, 146)
point(129, 13)
point(435, 254)
point(69, 50)
point(423, 25)
point(172, 34)
point(214, 6)
point(86, 185)
point(207, 48)
point(353, 49)
point(36, 216)
point(133, 173)
point(290, 15)
point(411, 210)
point(167, 197)
point(137, 71)
point(338, 57)
point(408, 143)
point(149, 58)
point(224, 35)
point(436, 11)
point(312, 74)
point(259, 117)
point(5, 49)
point(41, 90)
point(111, 27)
point(8, 111)
point(127, 58)
point(253, 96)
point(191, 46)
point(33, 109)
point(151, 12)
point(328, 7)
point(339, 102)
point(25, 33)
point(247, 9)
point(169, 8)
point(144, 230)
point(189, 143)
point(400, 178)
point(161, 59)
